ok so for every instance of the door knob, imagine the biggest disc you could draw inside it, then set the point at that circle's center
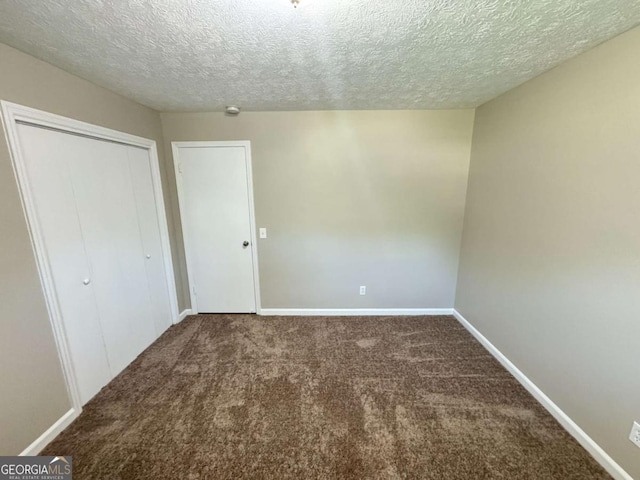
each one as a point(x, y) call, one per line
point(86, 281)
point(148, 255)
point(245, 244)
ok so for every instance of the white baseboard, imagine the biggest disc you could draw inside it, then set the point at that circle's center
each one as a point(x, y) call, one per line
point(52, 432)
point(184, 314)
point(355, 312)
point(608, 463)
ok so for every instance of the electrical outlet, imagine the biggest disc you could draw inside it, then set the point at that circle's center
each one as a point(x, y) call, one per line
point(634, 436)
point(363, 290)
point(263, 233)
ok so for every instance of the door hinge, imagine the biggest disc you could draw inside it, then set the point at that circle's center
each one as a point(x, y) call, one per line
point(180, 167)
point(193, 289)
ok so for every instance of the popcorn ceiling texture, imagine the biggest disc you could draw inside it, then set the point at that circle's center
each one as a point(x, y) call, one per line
point(199, 55)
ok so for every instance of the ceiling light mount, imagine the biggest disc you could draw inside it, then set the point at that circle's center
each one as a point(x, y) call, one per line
point(295, 3)
point(232, 110)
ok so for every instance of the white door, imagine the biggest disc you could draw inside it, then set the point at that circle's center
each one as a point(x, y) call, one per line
point(214, 190)
point(140, 168)
point(95, 205)
point(49, 179)
point(107, 209)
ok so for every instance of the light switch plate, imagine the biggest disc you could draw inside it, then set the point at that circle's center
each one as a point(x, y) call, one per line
point(635, 434)
point(363, 290)
point(263, 233)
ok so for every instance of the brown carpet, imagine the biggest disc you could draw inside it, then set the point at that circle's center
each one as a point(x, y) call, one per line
point(245, 397)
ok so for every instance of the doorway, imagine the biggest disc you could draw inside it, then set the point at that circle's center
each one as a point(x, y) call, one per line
point(215, 193)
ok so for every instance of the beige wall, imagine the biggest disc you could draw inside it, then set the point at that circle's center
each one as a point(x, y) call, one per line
point(353, 198)
point(550, 262)
point(33, 394)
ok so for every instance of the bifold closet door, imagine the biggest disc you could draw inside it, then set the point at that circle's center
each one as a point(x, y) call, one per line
point(140, 168)
point(54, 200)
point(96, 209)
point(106, 206)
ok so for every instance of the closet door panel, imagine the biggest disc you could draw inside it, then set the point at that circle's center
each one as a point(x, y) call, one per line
point(140, 168)
point(107, 209)
point(45, 153)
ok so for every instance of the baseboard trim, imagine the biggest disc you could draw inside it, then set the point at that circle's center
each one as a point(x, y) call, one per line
point(341, 312)
point(608, 463)
point(52, 432)
point(184, 314)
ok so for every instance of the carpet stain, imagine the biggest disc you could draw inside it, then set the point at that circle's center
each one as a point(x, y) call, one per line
point(247, 397)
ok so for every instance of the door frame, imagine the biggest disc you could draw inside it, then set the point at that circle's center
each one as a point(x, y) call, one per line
point(14, 114)
point(246, 144)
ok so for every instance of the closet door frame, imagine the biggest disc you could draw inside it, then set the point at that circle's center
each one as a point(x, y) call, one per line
point(14, 114)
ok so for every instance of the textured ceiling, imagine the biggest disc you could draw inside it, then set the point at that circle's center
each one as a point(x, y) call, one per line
point(199, 55)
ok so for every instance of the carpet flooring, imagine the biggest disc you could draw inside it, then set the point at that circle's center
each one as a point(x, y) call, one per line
point(246, 397)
